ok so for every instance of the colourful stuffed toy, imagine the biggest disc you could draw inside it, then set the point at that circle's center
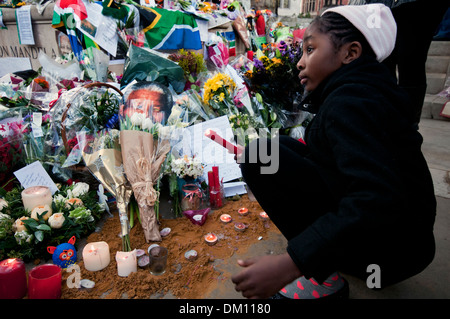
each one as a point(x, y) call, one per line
point(64, 254)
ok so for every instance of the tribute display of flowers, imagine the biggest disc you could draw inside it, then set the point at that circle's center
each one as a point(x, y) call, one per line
point(130, 152)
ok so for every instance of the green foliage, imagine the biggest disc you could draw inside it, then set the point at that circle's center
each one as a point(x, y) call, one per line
point(33, 243)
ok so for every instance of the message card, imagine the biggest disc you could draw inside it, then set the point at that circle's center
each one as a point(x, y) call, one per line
point(35, 175)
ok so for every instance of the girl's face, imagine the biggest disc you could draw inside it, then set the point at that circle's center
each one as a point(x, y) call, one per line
point(319, 58)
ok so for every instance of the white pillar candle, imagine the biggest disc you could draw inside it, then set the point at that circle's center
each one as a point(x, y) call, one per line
point(96, 256)
point(36, 196)
point(126, 262)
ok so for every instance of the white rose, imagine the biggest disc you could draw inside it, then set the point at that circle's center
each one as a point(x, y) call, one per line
point(3, 203)
point(74, 202)
point(18, 225)
point(78, 190)
point(56, 220)
point(39, 210)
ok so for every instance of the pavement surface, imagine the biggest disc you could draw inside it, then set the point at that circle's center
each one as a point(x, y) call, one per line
point(434, 281)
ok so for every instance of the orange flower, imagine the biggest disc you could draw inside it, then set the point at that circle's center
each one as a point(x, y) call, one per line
point(43, 83)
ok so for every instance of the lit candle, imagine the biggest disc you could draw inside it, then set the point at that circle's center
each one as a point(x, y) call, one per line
point(211, 239)
point(96, 256)
point(243, 211)
point(225, 218)
point(240, 227)
point(263, 216)
point(44, 282)
point(13, 279)
point(35, 196)
point(126, 262)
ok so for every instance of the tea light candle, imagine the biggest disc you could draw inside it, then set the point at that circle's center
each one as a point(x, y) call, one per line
point(243, 211)
point(35, 196)
point(13, 279)
point(225, 218)
point(96, 256)
point(211, 239)
point(240, 227)
point(126, 262)
point(263, 216)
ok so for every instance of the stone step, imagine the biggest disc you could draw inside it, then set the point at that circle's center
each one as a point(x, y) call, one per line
point(432, 107)
point(435, 82)
point(440, 48)
point(437, 64)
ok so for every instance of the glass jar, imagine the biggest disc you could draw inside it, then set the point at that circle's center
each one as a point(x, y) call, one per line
point(191, 197)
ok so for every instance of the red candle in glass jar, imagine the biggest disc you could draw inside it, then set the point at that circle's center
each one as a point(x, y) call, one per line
point(13, 279)
point(44, 282)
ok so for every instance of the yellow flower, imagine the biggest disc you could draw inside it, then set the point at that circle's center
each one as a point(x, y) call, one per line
point(216, 86)
point(276, 60)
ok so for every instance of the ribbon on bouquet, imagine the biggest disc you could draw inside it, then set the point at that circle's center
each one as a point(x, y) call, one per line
point(144, 189)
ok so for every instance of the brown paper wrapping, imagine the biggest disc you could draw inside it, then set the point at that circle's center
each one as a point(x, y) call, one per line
point(106, 165)
point(142, 160)
point(239, 25)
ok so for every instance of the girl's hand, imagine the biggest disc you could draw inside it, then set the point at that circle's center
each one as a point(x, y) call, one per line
point(262, 277)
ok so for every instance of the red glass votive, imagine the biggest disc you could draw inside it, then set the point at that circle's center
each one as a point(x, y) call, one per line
point(13, 279)
point(44, 282)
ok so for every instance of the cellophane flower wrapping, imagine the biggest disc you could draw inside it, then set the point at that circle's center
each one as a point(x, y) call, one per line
point(89, 110)
point(145, 145)
point(102, 155)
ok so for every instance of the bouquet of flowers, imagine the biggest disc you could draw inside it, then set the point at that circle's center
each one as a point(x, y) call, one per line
point(181, 171)
point(275, 75)
point(10, 148)
point(23, 234)
point(193, 66)
point(22, 139)
point(218, 92)
point(187, 167)
point(103, 158)
point(81, 110)
point(145, 144)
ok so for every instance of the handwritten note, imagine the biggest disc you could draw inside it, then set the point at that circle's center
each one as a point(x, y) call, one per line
point(35, 175)
point(210, 153)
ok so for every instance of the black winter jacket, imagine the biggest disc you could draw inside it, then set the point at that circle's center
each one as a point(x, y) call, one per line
point(369, 153)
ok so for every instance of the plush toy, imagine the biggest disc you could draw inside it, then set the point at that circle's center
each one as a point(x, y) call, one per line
point(64, 254)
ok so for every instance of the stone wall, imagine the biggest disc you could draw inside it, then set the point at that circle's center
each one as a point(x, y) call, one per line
point(44, 36)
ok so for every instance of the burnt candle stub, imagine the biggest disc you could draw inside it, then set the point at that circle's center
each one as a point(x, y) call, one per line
point(240, 227)
point(191, 255)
